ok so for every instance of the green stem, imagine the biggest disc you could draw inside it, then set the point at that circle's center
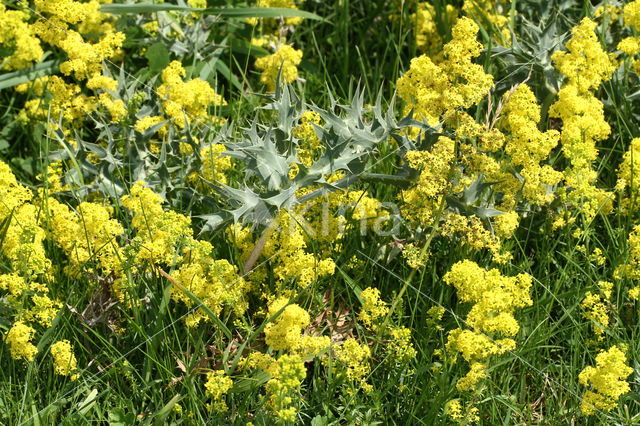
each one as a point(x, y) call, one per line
point(425, 248)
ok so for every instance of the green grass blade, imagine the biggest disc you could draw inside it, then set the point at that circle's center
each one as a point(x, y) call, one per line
point(231, 12)
point(22, 76)
point(123, 9)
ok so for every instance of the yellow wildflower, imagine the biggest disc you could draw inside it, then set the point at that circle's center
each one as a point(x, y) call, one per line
point(286, 58)
point(217, 386)
point(64, 361)
point(373, 308)
point(606, 381)
point(19, 340)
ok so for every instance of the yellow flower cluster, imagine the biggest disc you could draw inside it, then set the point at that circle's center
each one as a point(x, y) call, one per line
point(354, 357)
point(159, 233)
point(472, 233)
point(17, 36)
point(217, 386)
point(495, 298)
point(374, 314)
point(631, 269)
point(415, 256)
point(606, 380)
point(166, 238)
point(431, 90)
point(287, 245)
point(23, 246)
point(64, 361)
point(462, 415)
point(399, 347)
point(283, 62)
point(493, 12)
point(149, 121)
point(66, 101)
point(595, 308)
point(628, 177)
point(84, 58)
point(528, 146)
point(285, 332)
point(287, 374)
point(19, 340)
point(308, 141)
point(631, 16)
point(436, 167)
point(86, 236)
point(585, 65)
point(23, 240)
point(373, 308)
point(214, 282)
point(214, 163)
point(326, 221)
point(287, 4)
point(428, 38)
point(186, 100)
point(87, 37)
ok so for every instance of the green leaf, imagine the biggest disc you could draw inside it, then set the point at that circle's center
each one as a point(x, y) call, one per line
point(158, 56)
point(22, 76)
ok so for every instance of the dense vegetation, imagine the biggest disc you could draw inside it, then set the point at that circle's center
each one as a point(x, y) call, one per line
point(319, 212)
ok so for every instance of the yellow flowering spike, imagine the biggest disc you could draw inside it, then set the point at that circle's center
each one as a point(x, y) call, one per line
point(18, 37)
point(428, 38)
point(628, 176)
point(631, 269)
point(399, 346)
point(460, 414)
point(431, 90)
point(631, 16)
point(309, 143)
point(281, 389)
point(214, 164)
point(586, 65)
point(44, 310)
point(286, 330)
point(494, 13)
point(216, 283)
point(217, 387)
point(87, 235)
point(287, 4)
point(287, 244)
point(421, 201)
point(287, 374)
point(606, 381)
point(595, 310)
point(19, 340)
point(373, 308)
point(285, 57)
point(355, 359)
point(64, 361)
point(186, 100)
point(528, 146)
point(495, 299)
point(149, 121)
